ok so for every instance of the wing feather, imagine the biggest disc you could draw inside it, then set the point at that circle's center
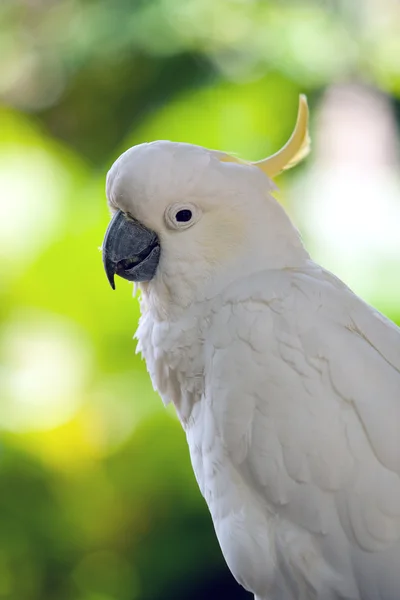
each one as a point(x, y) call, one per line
point(311, 412)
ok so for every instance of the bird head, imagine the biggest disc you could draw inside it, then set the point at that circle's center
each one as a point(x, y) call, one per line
point(185, 217)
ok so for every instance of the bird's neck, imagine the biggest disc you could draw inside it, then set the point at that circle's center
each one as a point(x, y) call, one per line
point(171, 302)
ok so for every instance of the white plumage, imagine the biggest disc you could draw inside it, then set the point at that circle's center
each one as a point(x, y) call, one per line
point(286, 383)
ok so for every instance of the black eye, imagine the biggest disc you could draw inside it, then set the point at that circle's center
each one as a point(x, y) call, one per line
point(183, 216)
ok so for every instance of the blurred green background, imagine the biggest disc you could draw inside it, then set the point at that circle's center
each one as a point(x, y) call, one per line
point(97, 497)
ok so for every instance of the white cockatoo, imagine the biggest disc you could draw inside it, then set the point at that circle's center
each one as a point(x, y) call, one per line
point(286, 383)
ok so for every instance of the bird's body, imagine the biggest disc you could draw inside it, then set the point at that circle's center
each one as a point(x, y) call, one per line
point(286, 383)
point(278, 384)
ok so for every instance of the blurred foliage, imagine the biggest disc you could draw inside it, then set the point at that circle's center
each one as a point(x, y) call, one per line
point(97, 497)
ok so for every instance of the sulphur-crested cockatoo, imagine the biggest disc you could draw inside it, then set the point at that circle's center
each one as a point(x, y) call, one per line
point(286, 383)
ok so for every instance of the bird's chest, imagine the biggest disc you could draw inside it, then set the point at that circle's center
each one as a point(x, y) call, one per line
point(242, 525)
point(173, 352)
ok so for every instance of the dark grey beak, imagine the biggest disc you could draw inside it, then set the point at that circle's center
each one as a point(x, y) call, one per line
point(130, 250)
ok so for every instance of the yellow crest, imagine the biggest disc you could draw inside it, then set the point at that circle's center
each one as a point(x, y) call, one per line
point(295, 149)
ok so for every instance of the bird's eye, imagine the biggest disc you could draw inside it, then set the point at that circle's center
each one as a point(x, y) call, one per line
point(183, 216)
point(178, 216)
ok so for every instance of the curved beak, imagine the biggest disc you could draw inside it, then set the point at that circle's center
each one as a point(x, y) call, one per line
point(130, 250)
